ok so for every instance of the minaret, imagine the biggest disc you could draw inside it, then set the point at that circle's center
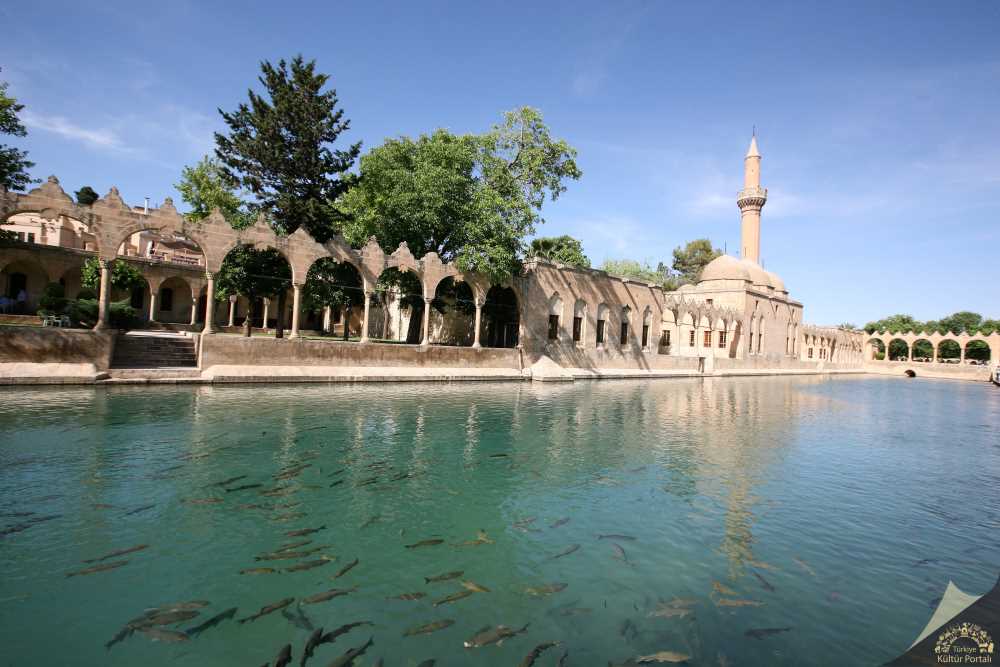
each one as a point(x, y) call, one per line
point(750, 200)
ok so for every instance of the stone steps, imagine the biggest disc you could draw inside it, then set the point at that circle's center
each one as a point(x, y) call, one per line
point(145, 351)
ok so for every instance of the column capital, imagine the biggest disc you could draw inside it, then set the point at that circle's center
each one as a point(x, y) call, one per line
point(428, 299)
point(104, 263)
point(297, 286)
point(209, 275)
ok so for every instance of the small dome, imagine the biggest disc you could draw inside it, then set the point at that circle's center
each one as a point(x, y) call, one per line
point(758, 276)
point(725, 267)
point(777, 283)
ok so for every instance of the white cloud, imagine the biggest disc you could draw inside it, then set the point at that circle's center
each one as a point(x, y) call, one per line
point(98, 138)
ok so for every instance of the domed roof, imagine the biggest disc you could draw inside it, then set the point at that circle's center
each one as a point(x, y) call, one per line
point(776, 282)
point(725, 267)
point(758, 276)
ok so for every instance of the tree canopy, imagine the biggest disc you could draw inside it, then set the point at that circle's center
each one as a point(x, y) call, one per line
point(124, 276)
point(279, 149)
point(252, 272)
point(630, 268)
point(955, 323)
point(86, 196)
point(204, 187)
point(14, 163)
point(562, 249)
point(690, 259)
point(472, 199)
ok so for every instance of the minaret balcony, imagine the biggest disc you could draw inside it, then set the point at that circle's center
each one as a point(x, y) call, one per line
point(752, 196)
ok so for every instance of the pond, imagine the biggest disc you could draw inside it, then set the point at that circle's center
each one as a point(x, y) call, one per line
point(743, 521)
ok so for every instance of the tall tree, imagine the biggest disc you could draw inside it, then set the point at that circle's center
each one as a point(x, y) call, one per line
point(692, 258)
point(279, 149)
point(334, 284)
point(205, 187)
point(630, 268)
point(472, 199)
point(86, 196)
point(14, 163)
point(562, 249)
point(254, 273)
point(956, 323)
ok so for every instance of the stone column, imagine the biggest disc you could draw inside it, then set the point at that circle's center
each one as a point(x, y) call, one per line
point(426, 329)
point(364, 318)
point(296, 304)
point(267, 308)
point(209, 303)
point(232, 310)
point(194, 309)
point(326, 319)
point(479, 323)
point(934, 357)
point(909, 351)
point(961, 353)
point(105, 295)
point(153, 298)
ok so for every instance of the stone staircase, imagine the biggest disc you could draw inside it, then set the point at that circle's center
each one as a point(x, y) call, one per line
point(139, 350)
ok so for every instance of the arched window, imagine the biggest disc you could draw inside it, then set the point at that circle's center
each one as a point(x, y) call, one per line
point(602, 320)
point(626, 317)
point(647, 321)
point(579, 317)
point(555, 312)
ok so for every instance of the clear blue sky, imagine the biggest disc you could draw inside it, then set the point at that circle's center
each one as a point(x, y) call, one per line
point(879, 123)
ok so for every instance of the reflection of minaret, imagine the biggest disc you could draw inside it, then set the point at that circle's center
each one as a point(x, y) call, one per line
point(751, 200)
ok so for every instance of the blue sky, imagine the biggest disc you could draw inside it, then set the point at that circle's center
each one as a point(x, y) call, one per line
point(879, 123)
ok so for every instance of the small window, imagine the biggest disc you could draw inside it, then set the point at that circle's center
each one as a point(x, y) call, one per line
point(577, 329)
point(722, 338)
point(708, 338)
point(624, 334)
point(708, 301)
point(31, 237)
point(20, 237)
point(666, 338)
point(553, 327)
point(645, 335)
point(691, 338)
point(600, 332)
point(810, 353)
point(166, 298)
point(750, 347)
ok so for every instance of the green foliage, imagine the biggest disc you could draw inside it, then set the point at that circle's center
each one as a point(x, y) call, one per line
point(630, 268)
point(894, 324)
point(472, 199)
point(124, 276)
point(204, 187)
point(86, 196)
point(86, 293)
point(847, 326)
point(83, 311)
point(121, 315)
point(956, 323)
point(253, 273)
point(332, 283)
point(53, 300)
point(562, 249)
point(14, 163)
point(691, 259)
point(279, 149)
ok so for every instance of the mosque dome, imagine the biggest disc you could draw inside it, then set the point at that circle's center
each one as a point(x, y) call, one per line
point(725, 267)
point(758, 276)
point(777, 283)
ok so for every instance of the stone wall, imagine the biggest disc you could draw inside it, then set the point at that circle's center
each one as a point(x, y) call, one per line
point(53, 345)
point(930, 370)
point(258, 351)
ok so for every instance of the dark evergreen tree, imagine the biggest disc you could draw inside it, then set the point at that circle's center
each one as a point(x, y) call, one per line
point(14, 163)
point(279, 149)
point(86, 196)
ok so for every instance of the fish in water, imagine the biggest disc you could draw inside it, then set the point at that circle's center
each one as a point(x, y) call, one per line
point(366, 482)
point(331, 636)
point(328, 595)
point(353, 654)
point(139, 509)
point(481, 538)
point(764, 582)
point(663, 656)
point(408, 596)
point(497, 635)
point(565, 552)
point(315, 639)
point(559, 522)
point(337, 472)
point(267, 609)
point(762, 565)
point(575, 611)
point(298, 618)
point(279, 491)
point(291, 555)
point(536, 652)
point(304, 531)
point(454, 597)
point(293, 545)
point(98, 568)
point(430, 662)
point(120, 552)
point(429, 628)
point(227, 482)
point(371, 521)
point(201, 501)
point(244, 487)
point(284, 657)
point(258, 570)
point(499, 456)
point(211, 623)
point(347, 568)
point(547, 589)
point(308, 565)
point(722, 589)
point(157, 617)
point(669, 612)
point(447, 576)
point(763, 633)
point(424, 543)
point(620, 552)
point(805, 566)
point(680, 603)
point(339, 481)
point(725, 602)
point(474, 587)
point(562, 659)
point(614, 536)
point(161, 635)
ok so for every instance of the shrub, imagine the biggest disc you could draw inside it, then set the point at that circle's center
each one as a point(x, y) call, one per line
point(83, 312)
point(121, 315)
point(87, 293)
point(53, 300)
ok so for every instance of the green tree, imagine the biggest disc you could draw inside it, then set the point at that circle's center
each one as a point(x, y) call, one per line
point(690, 259)
point(562, 249)
point(630, 268)
point(204, 187)
point(472, 199)
point(894, 324)
point(847, 326)
point(256, 274)
point(86, 196)
point(14, 163)
point(956, 323)
point(124, 276)
point(279, 149)
point(334, 284)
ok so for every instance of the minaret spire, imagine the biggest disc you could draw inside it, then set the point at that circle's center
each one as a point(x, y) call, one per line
point(751, 200)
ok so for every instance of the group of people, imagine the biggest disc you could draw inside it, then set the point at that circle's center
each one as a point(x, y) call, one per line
point(17, 304)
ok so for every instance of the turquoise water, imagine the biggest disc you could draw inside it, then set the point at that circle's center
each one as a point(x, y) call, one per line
point(854, 499)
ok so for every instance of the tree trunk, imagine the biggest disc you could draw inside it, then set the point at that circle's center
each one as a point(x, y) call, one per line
point(246, 325)
point(347, 322)
point(279, 324)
